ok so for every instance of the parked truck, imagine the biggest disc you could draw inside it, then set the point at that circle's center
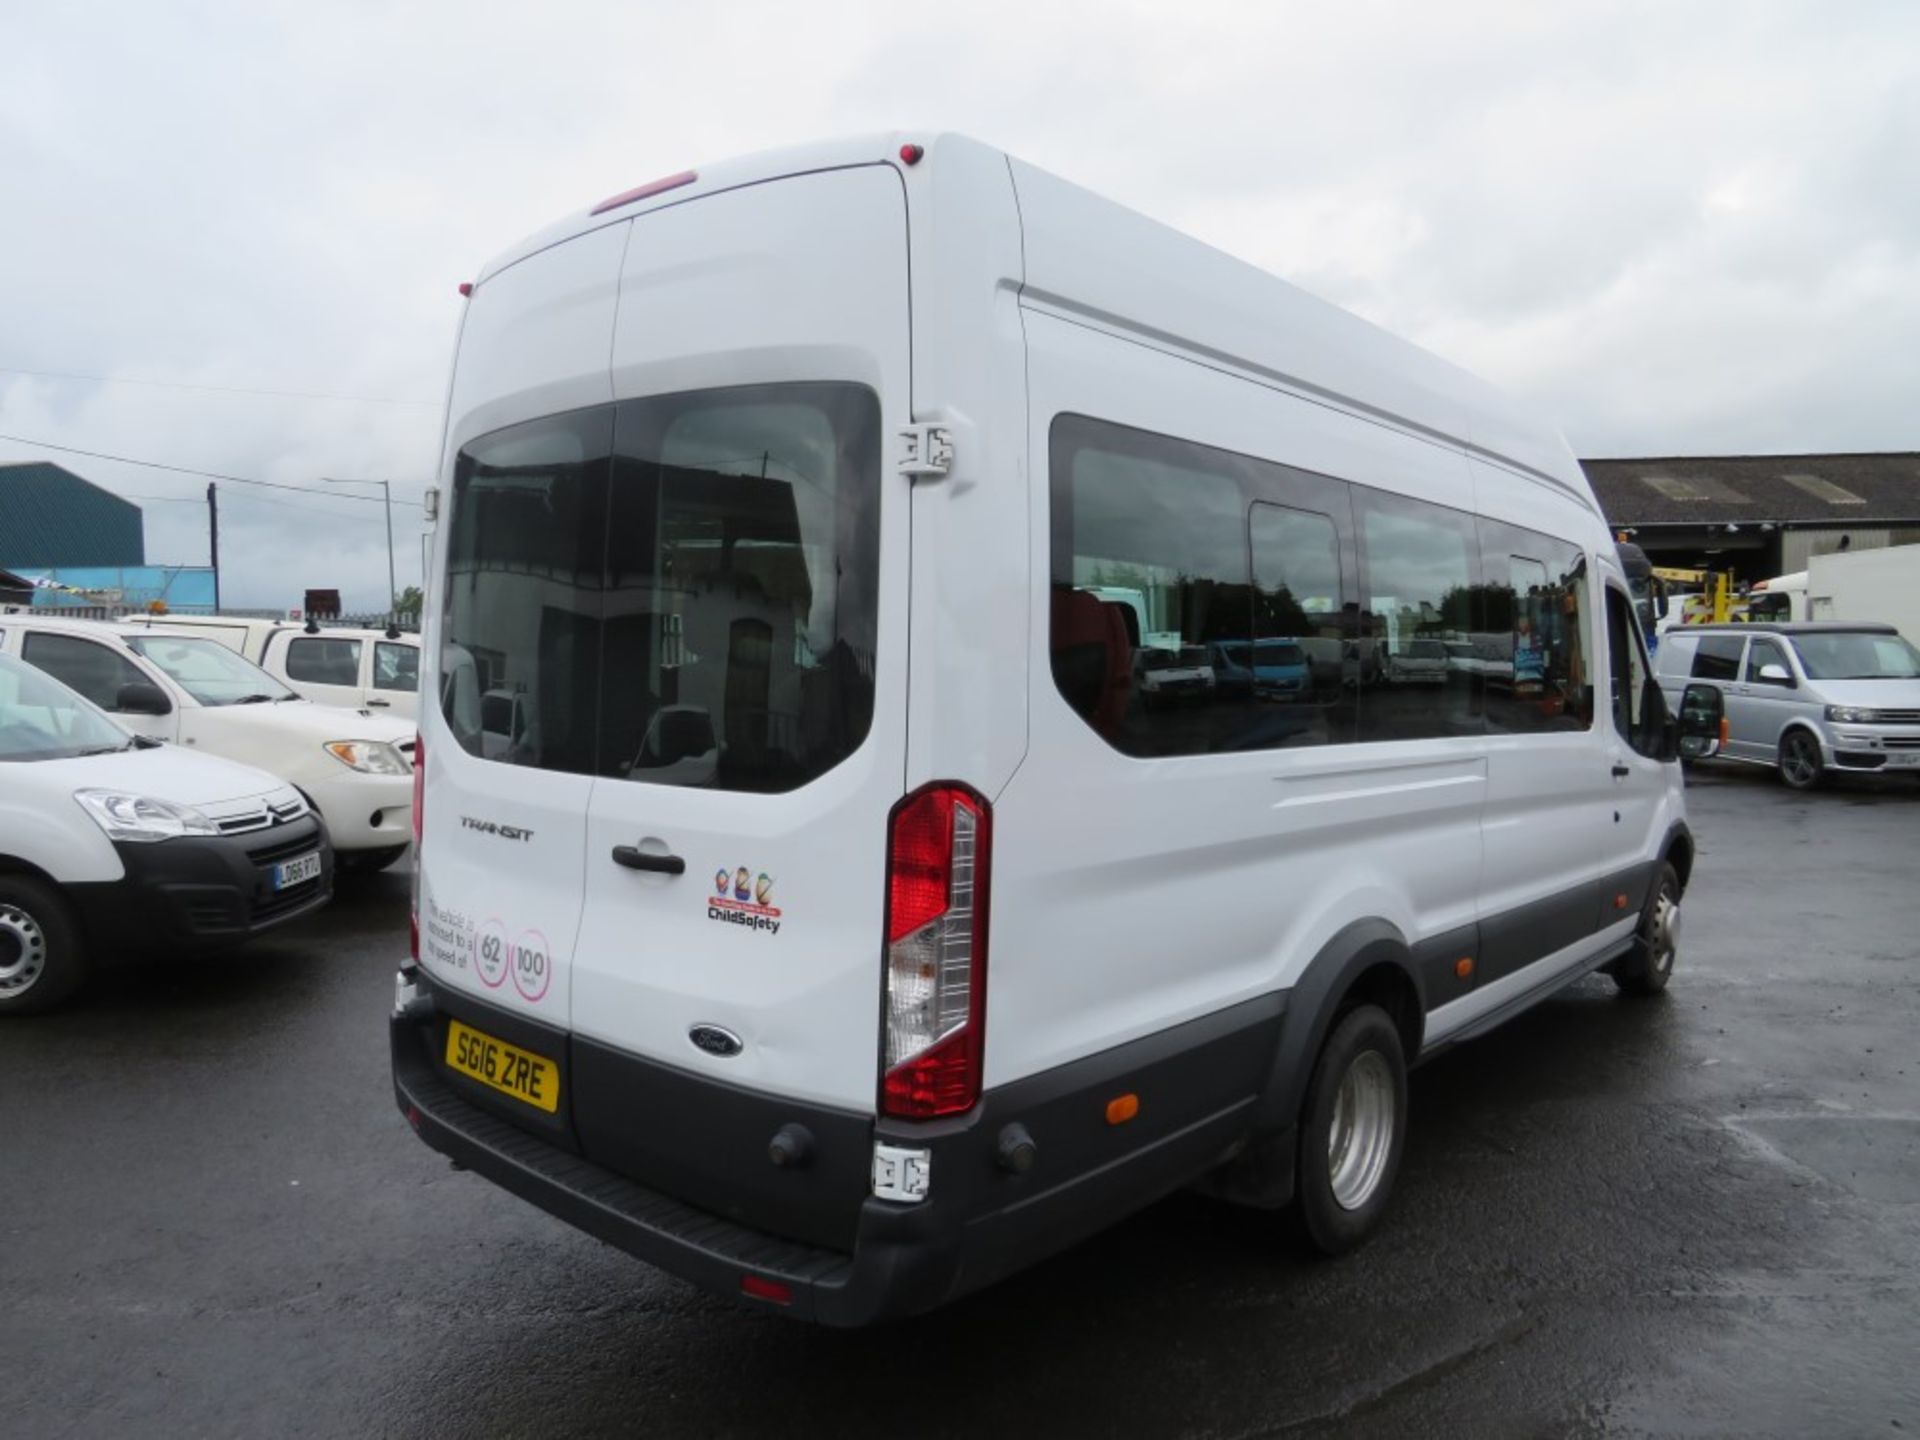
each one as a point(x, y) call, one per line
point(1879, 584)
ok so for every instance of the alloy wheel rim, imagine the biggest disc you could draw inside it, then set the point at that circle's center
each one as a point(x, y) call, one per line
point(1361, 1136)
point(1799, 761)
point(1660, 943)
point(23, 950)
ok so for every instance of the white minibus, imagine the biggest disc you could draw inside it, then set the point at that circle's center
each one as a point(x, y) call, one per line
point(842, 918)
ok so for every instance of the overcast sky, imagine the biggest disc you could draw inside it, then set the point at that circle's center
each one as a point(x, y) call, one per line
point(1674, 227)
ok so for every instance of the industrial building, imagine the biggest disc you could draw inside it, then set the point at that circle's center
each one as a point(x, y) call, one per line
point(52, 519)
point(72, 543)
point(1760, 515)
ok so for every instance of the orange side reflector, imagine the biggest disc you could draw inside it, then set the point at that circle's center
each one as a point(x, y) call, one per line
point(1463, 967)
point(1620, 902)
point(1122, 1108)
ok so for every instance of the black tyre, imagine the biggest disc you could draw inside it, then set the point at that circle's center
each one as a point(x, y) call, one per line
point(1353, 1128)
point(366, 862)
point(1800, 763)
point(42, 962)
point(1646, 969)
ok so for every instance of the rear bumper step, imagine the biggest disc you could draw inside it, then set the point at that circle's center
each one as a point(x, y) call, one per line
point(1197, 1084)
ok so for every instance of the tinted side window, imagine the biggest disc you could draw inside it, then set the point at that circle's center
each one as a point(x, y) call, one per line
point(1531, 636)
point(526, 564)
point(1296, 658)
point(396, 667)
point(83, 665)
point(324, 661)
point(1629, 675)
point(1718, 657)
point(1419, 568)
point(1151, 589)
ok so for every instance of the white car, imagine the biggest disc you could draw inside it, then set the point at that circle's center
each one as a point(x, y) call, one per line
point(114, 848)
point(840, 929)
point(358, 668)
point(354, 767)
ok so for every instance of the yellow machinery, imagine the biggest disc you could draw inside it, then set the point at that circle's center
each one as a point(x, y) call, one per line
point(1706, 597)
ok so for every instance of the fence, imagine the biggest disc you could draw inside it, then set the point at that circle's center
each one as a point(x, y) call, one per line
point(406, 624)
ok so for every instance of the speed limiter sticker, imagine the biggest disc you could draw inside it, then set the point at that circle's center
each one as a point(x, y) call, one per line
point(525, 957)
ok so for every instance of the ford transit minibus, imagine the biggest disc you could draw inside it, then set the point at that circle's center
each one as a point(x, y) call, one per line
point(851, 913)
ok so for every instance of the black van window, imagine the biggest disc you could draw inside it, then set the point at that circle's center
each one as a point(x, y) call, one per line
point(743, 578)
point(1149, 579)
point(681, 590)
point(526, 561)
point(1530, 644)
point(1419, 569)
point(1718, 657)
point(1296, 659)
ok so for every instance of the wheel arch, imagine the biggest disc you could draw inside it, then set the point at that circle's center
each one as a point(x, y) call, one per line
point(1679, 852)
point(1367, 962)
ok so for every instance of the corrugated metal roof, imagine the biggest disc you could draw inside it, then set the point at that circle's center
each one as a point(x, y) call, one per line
point(1724, 489)
point(51, 517)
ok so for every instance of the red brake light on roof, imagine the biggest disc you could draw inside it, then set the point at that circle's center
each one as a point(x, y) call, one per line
point(466, 288)
point(911, 153)
point(655, 187)
point(938, 849)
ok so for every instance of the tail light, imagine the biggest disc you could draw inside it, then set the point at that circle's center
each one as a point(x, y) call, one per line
point(938, 848)
point(419, 818)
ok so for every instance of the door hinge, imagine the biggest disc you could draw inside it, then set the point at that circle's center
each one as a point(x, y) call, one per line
point(926, 451)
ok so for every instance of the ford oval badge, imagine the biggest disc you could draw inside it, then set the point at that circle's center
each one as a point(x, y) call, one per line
point(715, 1041)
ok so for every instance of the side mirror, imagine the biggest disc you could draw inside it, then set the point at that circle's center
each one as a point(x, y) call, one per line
point(1703, 722)
point(141, 698)
point(1776, 675)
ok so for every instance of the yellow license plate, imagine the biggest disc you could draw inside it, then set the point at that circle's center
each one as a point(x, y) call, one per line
point(507, 1068)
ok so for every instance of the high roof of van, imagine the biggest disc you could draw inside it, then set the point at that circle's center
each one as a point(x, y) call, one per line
point(1101, 263)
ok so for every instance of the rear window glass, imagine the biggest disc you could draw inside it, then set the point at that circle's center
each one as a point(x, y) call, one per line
point(680, 590)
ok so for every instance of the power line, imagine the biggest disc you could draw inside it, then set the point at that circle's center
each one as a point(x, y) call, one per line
point(204, 474)
point(217, 389)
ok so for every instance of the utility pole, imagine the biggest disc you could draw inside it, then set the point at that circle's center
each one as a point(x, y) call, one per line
point(213, 541)
point(386, 490)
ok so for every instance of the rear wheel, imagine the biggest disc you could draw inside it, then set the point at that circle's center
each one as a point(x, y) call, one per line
point(1352, 1130)
point(41, 959)
point(1800, 764)
point(1648, 967)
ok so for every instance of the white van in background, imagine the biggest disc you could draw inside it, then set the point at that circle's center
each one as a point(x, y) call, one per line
point(828, 917)
point(357, 668)
point(116, 850)
point(353, 766)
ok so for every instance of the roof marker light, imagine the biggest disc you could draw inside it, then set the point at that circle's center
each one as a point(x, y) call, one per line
point(911, 153)
point(466, 288)
point(655, 187)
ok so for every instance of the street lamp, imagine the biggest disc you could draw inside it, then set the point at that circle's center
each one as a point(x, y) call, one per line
point(393, 592)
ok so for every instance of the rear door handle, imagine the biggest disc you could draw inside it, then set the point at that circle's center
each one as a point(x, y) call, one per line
point(383, 704)
point(1620, 772)
point(636, 859)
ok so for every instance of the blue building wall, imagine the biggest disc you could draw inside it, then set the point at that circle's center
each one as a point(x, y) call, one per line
point(183, 588)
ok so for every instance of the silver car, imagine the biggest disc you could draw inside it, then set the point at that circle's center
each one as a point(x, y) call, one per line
point(1808, 698)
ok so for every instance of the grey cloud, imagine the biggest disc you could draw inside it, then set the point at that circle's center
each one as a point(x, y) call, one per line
point(1671, 227)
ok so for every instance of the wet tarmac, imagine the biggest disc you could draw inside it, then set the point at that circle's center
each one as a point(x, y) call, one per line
point(1693, 1216)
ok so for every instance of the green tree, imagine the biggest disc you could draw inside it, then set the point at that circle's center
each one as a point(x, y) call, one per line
point(409, 601)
